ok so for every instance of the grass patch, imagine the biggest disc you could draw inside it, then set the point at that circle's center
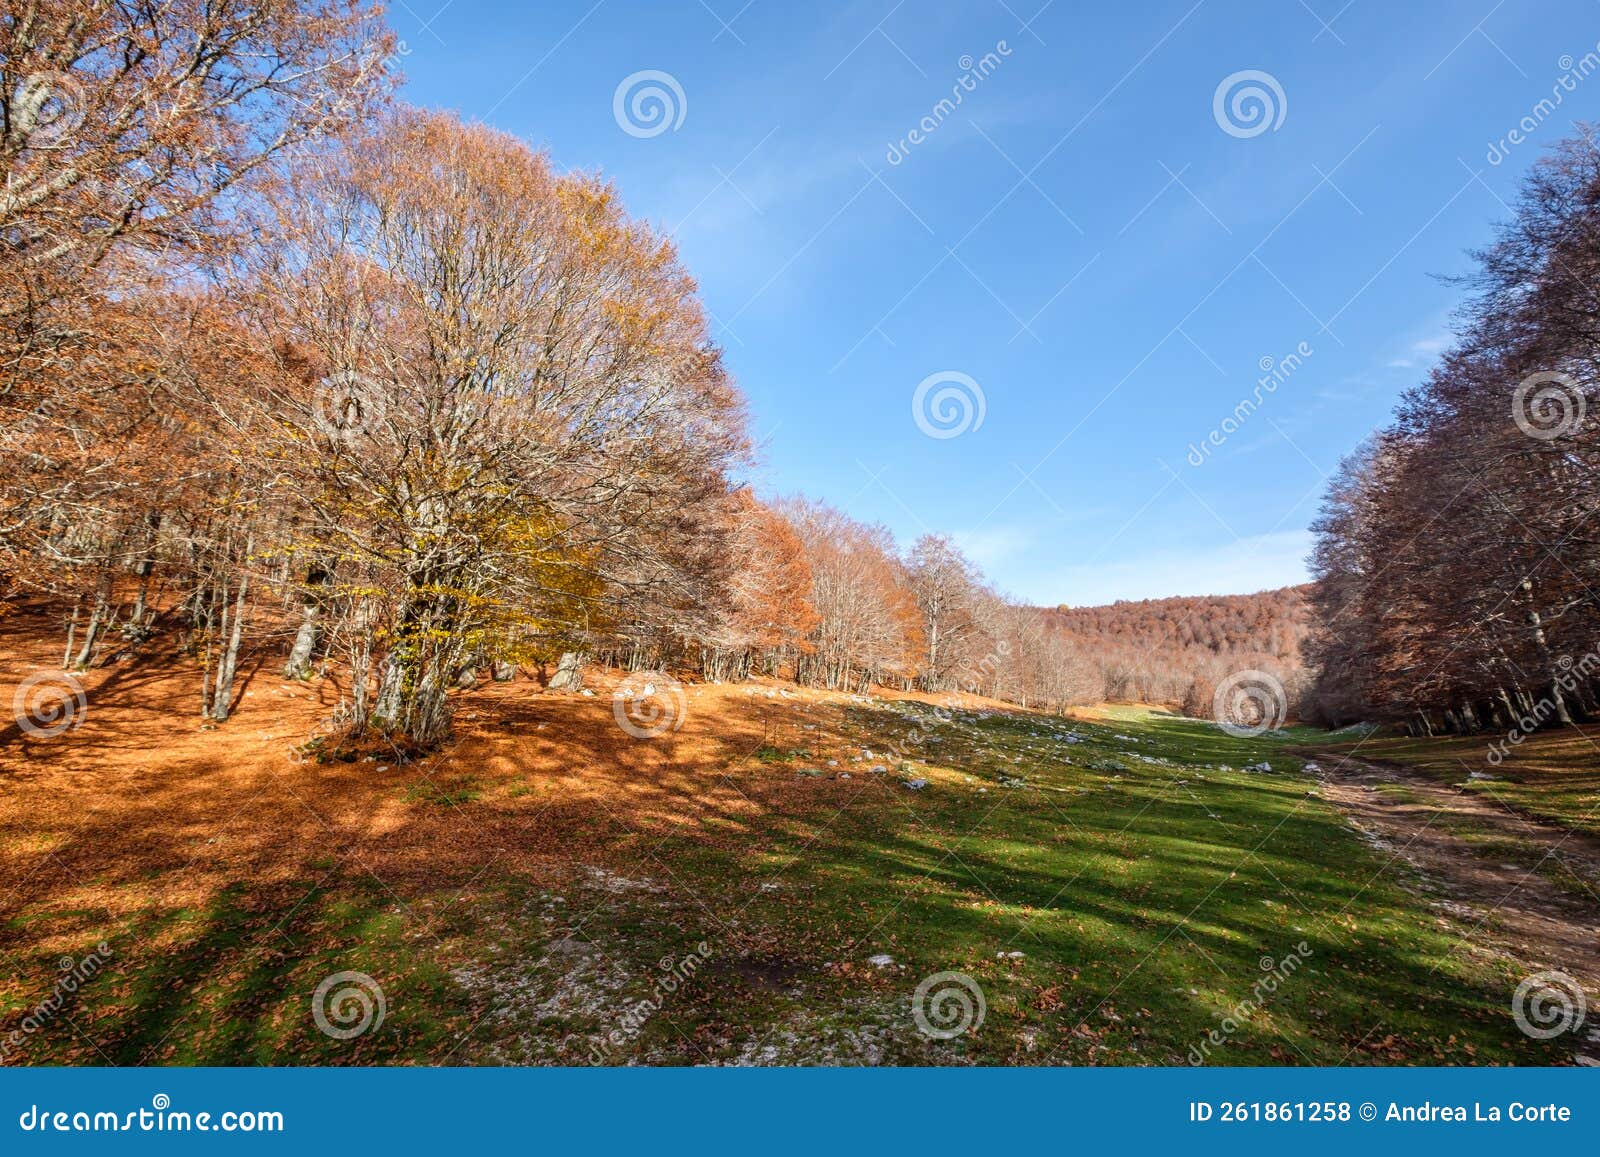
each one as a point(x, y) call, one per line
point(766, 753)
point(444, 793)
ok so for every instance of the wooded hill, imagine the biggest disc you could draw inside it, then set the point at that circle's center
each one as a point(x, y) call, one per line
point(1176, 650)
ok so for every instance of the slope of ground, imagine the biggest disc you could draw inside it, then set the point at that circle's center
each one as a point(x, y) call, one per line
point(769, 883)
point(1552, 775)
point(1527, 890)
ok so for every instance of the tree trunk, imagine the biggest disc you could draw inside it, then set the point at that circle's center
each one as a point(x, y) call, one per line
point(410, 700)
point(72, 629)
point(97, 621)
point(310, 632)
point(569, 673)
point(1505, 710)
point(136, 627)
point(1536, 625)
point(228, 661)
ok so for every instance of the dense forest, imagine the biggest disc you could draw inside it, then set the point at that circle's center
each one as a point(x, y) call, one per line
point(1457, 555)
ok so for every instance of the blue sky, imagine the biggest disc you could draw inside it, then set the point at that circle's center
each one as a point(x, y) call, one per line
point(1106, 252)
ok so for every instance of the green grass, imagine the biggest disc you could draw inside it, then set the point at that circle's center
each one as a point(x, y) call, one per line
point(234, 988)
point(1148, 882)
point(766, 753)
point(447, 793)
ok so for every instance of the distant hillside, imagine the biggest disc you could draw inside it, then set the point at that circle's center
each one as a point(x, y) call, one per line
point(1154, 650)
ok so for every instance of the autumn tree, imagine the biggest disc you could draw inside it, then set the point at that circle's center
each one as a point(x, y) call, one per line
point(946, 587)
point(868, 626)
point(129, 136)
point(770, 617)
point(499, 404)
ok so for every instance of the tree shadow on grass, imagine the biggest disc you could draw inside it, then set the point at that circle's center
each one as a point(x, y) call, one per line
point(235, 983)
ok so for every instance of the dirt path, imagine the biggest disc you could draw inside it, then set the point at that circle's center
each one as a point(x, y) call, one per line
point(1528, 890)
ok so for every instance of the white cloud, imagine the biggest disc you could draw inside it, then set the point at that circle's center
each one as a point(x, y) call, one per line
point(1420, 352)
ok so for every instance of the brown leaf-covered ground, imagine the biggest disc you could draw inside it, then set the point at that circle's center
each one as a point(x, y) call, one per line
point(143, 810)
point(769, 883)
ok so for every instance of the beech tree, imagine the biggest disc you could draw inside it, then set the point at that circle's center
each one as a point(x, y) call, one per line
point(867, 624)
point(1153, 650)
point(770, 618)
point(500, 406)
point(946, 587)
point(129, 133)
